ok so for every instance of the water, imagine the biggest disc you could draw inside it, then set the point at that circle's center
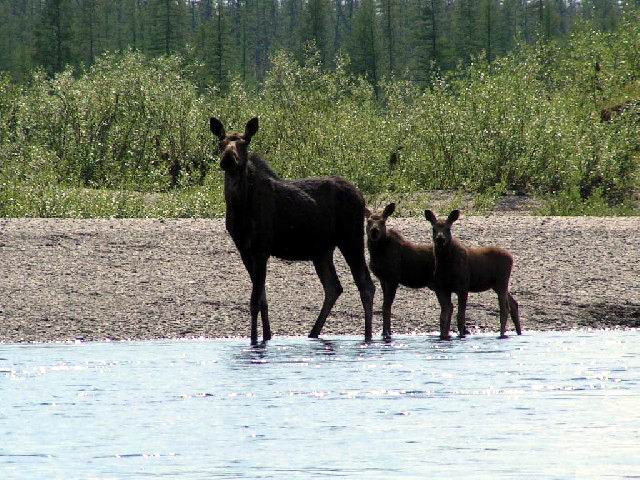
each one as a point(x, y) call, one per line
point(553, 405)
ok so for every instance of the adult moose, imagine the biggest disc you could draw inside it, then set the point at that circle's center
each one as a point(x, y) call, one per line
point(302, 219)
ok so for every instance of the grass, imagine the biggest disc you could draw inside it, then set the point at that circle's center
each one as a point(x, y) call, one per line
point(572, 204)
point(207, 202)
point(59, 202)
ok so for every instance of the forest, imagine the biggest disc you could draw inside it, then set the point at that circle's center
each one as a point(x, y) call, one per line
point(104, 104)
point(408, 39)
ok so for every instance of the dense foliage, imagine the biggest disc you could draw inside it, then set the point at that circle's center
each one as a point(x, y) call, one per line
point(129, 136)
point(406, 38)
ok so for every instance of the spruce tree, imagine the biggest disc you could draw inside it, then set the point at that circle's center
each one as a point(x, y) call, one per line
point(489, 21)
point(389, 15)
point(87, 31)
point(428, 34)
point(365, 51)
point(53, 36)
point(212, 44)
point(166, 21)
point(315, 27)
point(467, 34)
point(291, 23)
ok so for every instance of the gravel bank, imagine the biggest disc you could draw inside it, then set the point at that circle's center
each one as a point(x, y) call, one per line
point(143, 279)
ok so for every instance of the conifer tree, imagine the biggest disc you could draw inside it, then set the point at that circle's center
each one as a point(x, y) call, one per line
point(365, 50)
point(53, 36)
point(292, 11)
point(236, 37)
point(467, 34)
point(314, 27)
point(166, 26)
point(211, 40)
point(391, 33)
point(428, 28)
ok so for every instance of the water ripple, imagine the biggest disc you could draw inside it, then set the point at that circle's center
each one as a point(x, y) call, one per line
point(415, 407)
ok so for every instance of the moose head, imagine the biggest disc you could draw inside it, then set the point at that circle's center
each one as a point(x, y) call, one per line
point(377, 222)
point(441, 228)
point(233, 147)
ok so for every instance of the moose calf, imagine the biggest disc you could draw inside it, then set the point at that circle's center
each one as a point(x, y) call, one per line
point(396, 261)
point(460, 270)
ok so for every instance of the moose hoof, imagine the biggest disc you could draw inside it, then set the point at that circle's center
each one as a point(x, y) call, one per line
point(503, 336)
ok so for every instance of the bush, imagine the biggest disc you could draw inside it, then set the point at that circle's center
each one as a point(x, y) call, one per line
point(529, 122)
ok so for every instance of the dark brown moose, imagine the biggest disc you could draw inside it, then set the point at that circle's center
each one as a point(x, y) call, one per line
point(460, 270)
point(396, 261)
point(291, 219)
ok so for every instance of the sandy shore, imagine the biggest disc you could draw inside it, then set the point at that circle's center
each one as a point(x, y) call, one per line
point(142, 279)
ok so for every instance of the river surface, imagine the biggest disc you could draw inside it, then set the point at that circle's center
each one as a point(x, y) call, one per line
point(549, 405)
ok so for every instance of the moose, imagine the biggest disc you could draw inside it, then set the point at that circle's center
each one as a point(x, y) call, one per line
point(298, 220)
point(460, 269)
point(396, 261)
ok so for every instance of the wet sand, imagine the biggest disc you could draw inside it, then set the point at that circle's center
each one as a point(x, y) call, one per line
point(143, 279)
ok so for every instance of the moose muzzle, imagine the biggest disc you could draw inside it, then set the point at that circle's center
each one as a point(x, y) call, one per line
point(229, 160)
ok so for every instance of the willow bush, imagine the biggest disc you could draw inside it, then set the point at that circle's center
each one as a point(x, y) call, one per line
point(130, 137)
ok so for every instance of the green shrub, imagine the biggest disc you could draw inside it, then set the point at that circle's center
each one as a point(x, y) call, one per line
point(529, 122)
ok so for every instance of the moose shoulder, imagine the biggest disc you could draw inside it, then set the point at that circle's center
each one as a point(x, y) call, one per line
point(291, 219)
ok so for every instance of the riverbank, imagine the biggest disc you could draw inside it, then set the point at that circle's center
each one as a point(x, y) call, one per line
point(144, 279)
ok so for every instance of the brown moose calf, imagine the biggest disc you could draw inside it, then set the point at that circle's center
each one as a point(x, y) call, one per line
point(396, 261)
point(460, 270)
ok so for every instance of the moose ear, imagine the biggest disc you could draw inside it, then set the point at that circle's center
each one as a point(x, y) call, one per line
point(367, 212)
point(251, 128)
point(216, 127)
point(430, 216)
point(453, 216)
point(388, 210)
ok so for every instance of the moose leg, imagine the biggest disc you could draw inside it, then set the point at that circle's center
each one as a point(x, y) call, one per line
point(264, 315)
point(503, 301)
point(326, 271)
point(462, 307)
point(446, 309)
point(389, 294)
point(367, 291)
point(360, 272)
point(515, 313)
point(257, 297)
point(264, 309)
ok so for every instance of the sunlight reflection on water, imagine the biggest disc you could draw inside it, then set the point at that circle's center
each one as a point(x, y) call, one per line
point(545, 404)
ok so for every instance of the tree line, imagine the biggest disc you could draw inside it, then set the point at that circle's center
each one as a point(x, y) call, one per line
point(223, 39)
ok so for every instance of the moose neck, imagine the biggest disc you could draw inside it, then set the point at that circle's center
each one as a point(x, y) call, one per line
point(374, 247)
point(236, 184)
point(237, 198)
point(239, 188)
point(444, 253)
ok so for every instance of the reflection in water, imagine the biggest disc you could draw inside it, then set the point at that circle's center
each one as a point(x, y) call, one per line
point(324, 347)
point(253, 354)
point(409, 407)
